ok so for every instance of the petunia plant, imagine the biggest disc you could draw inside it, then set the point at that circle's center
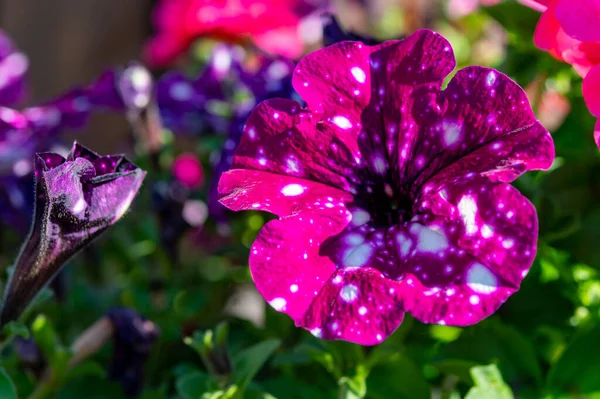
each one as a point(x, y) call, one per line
point(76, 199)
point(392, 195)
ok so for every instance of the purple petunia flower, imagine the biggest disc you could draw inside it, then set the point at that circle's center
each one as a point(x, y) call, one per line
point(391, 193)
point(333, 33)
point(134, 336)
point(76, 199)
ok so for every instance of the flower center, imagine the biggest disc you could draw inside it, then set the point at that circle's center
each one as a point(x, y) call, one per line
point(386, 206)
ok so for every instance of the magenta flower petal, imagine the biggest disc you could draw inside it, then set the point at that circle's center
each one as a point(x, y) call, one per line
point(579, 19)
point(391, 193)
point(373, 301)
point(591, 90)
point(484, 235)
point(281, 137)
point(76, 199)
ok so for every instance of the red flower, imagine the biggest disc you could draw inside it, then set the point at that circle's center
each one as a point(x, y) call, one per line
point(270, 24)
point(570, 31)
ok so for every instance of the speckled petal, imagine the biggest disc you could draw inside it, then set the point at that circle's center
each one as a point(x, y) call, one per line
point(379, 93)
point(484, 124)
point(357, 305)
point(281, 137)
point(489, 232)
point(285, 261)
point(278, 194)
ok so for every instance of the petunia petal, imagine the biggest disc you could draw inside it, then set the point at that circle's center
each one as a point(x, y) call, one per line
point(491, 235)
point(281, 195)
point(285, 261)
point(485, 126)
point(591, 90)
point(280, 137)
point(357, 305)
point(579, 19)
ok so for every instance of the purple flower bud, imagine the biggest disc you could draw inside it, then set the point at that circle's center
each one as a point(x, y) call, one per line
point(77, 198)
point(133, 336)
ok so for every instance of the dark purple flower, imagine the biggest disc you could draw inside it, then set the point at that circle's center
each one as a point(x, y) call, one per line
point(392, 194)
point(30, 355)
point(76, 199)
point(333, 33)
point(134, 336)
point(168, 201)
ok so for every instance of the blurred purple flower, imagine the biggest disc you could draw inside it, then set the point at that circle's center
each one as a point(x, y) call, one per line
point(76, 199)
point(333, 33)
point(233, 76)
point(13, 67)
point(36, 128)
point(29, 354)
point(134, 336)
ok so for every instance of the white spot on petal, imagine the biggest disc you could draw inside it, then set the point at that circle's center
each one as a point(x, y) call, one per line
point(358, 256)
point(292, 190)
point(349, 293)
point(294, 288)
point(360, 217)
point(359, 74)
point(278, 303)
point(362, 311)
point(342, 122)
point(474, 299)
point(490, 79)
point(481, 280)
point(429, 240)
point(452, 132)
point(468, 209)
point(486, 231)
point(508, 243)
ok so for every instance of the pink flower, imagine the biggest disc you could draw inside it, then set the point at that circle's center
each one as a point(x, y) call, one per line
point(570, 31)
point(271, 24)
point(391, 194)
point(460, 8)
point(187, 169)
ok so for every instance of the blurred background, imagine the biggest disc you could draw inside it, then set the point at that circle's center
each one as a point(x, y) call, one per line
point(163, 305)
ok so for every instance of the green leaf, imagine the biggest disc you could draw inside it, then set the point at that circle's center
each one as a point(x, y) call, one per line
point(576, 371)
point(458, 368)
point(90, 387)
point(249, 362)
point(398, 377)
point(488, 384)
point(15, 329)
point(45, 336)
point(193, 385)
point(494, 342)
point(7, 388)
